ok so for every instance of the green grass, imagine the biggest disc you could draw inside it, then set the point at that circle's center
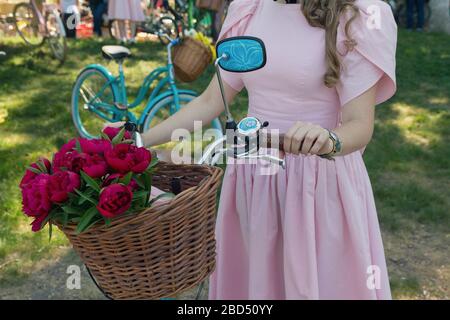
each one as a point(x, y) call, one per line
point(408, 159)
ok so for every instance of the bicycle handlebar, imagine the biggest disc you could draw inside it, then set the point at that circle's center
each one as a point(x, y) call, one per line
point(172, 42)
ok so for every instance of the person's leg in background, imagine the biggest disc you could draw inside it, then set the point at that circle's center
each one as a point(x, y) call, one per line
point(98, 17)
point(410, 4)
point(420, 14)
point(97, 9)
point(122, 30)
point(69, 21)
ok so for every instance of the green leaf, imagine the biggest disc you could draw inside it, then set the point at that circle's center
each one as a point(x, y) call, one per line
point(47, 219)
point(34, 170)
point(90, 182)
point(85, 220)
point(85, 197)
point(119, 137)
point(69, 209)
point(161, 196)
point(128, 141)
point(93, 222)
point(40, 163)
point(140, 194)
point(147, 180)
point(65, 219)
point(50, 231)
point(153, 163)
point(105, 136)
point(78, 146)
point(107, 222)
point(148, 184)
point(139, 181)
point(126, 179)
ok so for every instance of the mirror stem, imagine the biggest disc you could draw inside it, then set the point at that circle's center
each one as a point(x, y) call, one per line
point(231, 124)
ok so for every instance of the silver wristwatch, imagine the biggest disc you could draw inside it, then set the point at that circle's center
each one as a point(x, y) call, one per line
point(337, 146)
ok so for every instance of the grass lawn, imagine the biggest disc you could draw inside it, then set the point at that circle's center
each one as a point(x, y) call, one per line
point(408, 159)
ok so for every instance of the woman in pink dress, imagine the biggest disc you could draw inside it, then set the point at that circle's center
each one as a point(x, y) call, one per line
point(309, 231)
point(126, 11)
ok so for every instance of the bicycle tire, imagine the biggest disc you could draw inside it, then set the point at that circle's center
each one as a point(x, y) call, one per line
point(19, 30)
point(173, 33)
point(60, 56)
point(165, 103)
point(75, 104)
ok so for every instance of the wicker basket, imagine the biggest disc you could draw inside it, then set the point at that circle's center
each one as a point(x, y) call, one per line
point(213, 5)
point(190, 59)
point(162, 251)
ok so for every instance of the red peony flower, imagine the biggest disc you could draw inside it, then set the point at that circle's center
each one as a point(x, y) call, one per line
point(36, 199)
point(94, 165)
point(30, 175)
point(125, 158)
point(111, 132)
point(61, 184)
point(95, 146)
point(114, 200)
point(133, 184)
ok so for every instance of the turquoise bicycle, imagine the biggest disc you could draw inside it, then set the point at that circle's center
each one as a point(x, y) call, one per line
point(98, 96)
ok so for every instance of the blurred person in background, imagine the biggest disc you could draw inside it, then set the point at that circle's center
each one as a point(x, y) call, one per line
point(70, 16)
point(418, 5)
point(126, 11)
point(98, 8)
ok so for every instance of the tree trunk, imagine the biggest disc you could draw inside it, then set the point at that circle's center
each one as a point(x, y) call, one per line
point(440, 16)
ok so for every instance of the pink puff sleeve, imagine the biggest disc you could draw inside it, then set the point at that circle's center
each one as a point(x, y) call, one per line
point(370, 60)
point(235, 24)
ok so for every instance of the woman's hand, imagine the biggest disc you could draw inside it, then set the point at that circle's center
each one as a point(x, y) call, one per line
point(307, 138)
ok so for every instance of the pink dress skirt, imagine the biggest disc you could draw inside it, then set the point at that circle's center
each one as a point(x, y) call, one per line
point(310, 231)
point(125, 10)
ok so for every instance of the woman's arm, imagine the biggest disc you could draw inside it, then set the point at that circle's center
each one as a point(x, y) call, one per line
point(205, 108)
point(354, 133)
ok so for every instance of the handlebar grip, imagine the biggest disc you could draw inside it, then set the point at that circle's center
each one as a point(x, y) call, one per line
point(267, 139)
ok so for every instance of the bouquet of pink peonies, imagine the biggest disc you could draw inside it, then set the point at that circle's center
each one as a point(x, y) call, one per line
point(89, 181)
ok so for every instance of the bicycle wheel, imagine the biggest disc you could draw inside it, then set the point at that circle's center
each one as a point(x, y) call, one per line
point(90, 94)
point(27, 24)
point(56, 38)
point(169, 26)
point(162, 111)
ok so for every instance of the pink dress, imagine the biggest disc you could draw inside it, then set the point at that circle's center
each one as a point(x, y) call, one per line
point(310, 231)
point(125, 10)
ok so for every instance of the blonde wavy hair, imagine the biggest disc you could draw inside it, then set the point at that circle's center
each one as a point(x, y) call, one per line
point(326, 14)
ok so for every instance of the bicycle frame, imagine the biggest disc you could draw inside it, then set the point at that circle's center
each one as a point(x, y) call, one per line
point(39, 15)
point(165, 86)
point(46, 7)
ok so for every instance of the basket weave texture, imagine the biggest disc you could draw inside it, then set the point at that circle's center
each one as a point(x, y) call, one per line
point(191, 58)
point(161, 251)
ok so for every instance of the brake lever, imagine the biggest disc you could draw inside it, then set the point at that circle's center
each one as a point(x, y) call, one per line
point(267, 157)
point(131, 127)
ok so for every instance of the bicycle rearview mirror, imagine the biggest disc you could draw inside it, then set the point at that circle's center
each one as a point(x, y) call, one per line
point(241, 54)
point(238, 54)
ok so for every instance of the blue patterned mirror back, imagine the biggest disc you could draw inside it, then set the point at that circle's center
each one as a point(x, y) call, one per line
point(243, 54)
